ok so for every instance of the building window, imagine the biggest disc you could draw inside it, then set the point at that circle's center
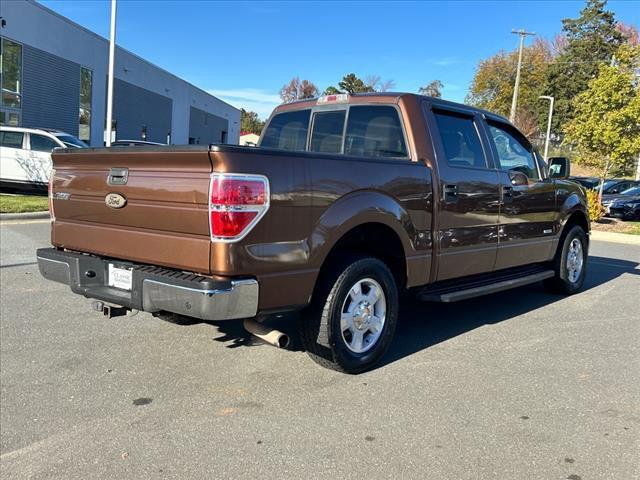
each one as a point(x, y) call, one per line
point(11, 73)
point(84, 122)
point(10, 82)
point(11, 119)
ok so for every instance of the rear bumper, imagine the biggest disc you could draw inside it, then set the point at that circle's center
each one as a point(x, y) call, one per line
point(153, 289)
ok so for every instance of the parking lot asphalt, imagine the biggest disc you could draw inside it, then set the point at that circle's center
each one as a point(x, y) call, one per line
point(520, 384)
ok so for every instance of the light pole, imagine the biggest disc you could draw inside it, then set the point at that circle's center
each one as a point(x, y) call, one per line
point(112, 54)
point(548, 136)
point(514, 102)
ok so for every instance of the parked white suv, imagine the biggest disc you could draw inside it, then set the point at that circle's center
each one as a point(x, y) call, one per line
point(25, 155)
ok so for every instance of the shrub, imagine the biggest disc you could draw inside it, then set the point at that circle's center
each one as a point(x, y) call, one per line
point(596, 210)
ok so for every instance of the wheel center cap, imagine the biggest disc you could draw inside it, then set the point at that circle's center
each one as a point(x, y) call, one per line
point(362, 315)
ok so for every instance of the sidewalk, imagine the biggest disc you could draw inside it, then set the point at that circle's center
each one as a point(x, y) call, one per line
point(627, 238)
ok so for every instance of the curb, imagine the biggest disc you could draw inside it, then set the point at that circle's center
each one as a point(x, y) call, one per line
point(24, 216)
point(615, 237)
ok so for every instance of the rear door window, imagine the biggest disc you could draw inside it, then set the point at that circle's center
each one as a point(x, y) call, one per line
point(326, 136)
point(374, 131)
point(287, 131)
point(460, 140)
point(40, 143)
point(11, 139)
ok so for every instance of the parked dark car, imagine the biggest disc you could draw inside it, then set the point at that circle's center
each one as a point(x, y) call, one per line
point(586, 182)
point(612, 186)
point(625, 205)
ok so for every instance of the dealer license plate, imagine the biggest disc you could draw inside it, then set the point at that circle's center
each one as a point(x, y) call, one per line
point(120, 277)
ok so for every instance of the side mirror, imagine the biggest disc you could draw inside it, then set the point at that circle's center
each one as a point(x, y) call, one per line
point(559, 167)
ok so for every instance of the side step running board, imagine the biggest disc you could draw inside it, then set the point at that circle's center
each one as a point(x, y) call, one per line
point(464, 294)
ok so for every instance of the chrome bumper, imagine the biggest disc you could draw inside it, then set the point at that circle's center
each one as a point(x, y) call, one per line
point(240, 300)
point(153, 289)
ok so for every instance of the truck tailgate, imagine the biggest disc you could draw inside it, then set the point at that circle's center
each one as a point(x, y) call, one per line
point(164, 220)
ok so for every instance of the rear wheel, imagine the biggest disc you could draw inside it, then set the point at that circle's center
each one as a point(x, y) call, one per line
point(570, 264)
point(353, 316)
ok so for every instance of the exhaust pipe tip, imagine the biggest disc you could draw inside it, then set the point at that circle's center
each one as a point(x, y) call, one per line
point(283, 340)
point(270, 335)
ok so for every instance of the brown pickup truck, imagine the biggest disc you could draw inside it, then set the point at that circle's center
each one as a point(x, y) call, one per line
point(347, 202)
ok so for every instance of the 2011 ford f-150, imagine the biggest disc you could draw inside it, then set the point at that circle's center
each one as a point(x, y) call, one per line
point(348, 201)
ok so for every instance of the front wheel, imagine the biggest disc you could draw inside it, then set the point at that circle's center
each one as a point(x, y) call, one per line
point(353, 317)
point(570, 264)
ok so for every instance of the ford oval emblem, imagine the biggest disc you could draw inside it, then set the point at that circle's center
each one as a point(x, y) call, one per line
point(115, 200)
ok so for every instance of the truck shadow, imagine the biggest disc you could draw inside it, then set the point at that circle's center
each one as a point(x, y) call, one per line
point(424, 324)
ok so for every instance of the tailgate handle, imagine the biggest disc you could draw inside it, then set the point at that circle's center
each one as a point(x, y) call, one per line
point(118, 176)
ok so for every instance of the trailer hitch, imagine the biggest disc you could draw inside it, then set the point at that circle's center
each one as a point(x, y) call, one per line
point(110, 311)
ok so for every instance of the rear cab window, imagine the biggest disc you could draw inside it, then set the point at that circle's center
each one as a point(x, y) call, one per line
point(374, 131)
point(328, 127)
point(355, 130)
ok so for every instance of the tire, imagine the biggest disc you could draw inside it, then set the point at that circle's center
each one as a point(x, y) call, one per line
point(570, 263)
point(363, 288)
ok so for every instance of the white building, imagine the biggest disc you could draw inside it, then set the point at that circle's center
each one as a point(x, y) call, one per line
point(54, 75)
point(249, 139)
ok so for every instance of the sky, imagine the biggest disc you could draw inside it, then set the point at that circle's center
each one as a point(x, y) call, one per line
point(244, 52)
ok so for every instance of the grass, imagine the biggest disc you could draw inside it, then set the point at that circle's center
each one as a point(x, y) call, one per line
point(616, 226)
point(634, 228)
point(23, 203)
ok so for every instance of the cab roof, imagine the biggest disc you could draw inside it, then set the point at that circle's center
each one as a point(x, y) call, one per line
point(380, 98)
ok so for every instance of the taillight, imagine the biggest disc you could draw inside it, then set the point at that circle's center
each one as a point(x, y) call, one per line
point(50, 194)
point(236, 203)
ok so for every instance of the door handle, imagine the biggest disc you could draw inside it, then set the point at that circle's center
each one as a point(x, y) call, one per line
point(450, 193)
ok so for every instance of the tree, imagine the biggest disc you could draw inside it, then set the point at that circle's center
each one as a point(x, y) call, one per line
point(591, 39)
point(432, 89)
point(250, 123)
point(629, 32)
point(377, 84)
point(298, 90)
point(493, 82)
point(605, 128)
point(350, 83)
point(331, 90)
